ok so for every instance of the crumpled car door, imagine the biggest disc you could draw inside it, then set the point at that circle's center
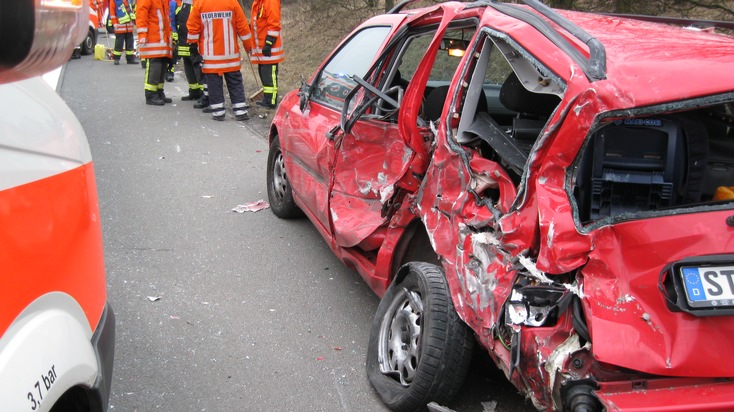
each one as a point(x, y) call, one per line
point(306, 139)
point(376, 158)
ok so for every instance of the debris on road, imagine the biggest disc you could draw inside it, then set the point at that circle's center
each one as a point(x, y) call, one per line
point(252, 206)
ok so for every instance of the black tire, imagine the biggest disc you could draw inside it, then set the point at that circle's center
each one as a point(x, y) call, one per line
point(429, 358)
point(89, 42)
point(280, 194)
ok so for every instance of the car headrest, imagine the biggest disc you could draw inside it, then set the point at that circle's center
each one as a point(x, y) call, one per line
point(514, 96)
point(433, 106)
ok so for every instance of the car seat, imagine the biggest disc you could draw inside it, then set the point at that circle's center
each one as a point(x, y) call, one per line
point(436, 98)
point(533, 109)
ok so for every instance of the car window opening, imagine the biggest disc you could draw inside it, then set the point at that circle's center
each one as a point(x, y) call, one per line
point(507, 104)
point(404, 62)
point(651, 163)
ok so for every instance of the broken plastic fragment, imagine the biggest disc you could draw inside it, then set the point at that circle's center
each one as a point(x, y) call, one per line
point(252, 206)
point(154, 298)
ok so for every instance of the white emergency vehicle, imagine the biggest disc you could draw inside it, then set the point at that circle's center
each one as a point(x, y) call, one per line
point(57, 331)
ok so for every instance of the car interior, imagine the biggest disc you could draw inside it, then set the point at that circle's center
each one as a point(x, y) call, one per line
point(628, 164)
point(634, 164)
point(503, 118)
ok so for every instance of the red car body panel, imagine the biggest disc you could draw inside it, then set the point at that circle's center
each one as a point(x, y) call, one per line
point(626, 307)
point(345, 186)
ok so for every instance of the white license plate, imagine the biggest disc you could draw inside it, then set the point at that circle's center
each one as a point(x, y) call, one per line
point(708, 286)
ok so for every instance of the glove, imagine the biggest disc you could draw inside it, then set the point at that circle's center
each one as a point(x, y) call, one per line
point(269, 42)
point(193, 48)
point(196, 59)
point(175, 36)
point(142, 40)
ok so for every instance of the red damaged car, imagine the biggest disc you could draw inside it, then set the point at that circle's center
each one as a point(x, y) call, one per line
point(555, 186)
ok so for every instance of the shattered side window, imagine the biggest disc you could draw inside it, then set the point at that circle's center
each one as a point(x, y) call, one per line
point(334, 82)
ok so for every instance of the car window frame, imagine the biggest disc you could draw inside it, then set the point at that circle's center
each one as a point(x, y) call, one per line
point(316, 97)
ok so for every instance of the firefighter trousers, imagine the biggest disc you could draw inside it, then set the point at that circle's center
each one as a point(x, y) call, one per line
point(236, 88)
point(269, 78)
point(193, 77)
point(155, 74)
point(124, 41)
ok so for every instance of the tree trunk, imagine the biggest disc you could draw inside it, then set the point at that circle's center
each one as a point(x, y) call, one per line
point(389, 4)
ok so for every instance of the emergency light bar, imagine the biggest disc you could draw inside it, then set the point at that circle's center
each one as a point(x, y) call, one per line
point(39, 35)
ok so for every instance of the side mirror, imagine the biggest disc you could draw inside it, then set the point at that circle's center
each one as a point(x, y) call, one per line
point(39, 35)
point(305, 95)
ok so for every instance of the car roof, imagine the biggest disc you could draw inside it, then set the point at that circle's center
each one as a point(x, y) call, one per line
point(673, 60)
point(646, 62)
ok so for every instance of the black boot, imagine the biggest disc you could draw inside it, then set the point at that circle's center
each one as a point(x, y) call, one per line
point(152, 98)
point(202, 103)
point(163, 97)
point(131, 60)
point(117, 61)
point(193, 95)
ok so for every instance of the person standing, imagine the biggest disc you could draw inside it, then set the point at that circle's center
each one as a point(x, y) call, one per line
point(219, 25)
point(268, 50)
point(154, 39)
point(191, 63)
point(122, 17)
point(173, 6)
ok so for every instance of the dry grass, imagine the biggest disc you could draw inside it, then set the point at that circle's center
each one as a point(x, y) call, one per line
point(304, 49)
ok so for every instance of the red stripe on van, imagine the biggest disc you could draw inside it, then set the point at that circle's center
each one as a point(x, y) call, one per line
point(51, 240)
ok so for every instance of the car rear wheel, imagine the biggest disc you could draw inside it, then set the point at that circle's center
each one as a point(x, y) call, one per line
point(419, 349)
point(280, 194)
point(89, 42)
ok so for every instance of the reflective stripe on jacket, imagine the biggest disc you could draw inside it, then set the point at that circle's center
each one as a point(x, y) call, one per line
point(216, 26)
point(154, 26)
point(182, 17)
point(266, 22)
point(121, 16)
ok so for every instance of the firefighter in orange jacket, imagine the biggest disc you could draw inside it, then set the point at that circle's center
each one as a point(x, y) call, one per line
point(154, 39)
point(122, 17)
point(218, 26)
point(268, 50)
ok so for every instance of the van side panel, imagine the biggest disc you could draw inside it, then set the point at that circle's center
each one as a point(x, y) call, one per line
point(52, 241)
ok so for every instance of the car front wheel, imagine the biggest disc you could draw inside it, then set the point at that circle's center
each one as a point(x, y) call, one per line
point(280, 194)
point(89, 42)
point(419, 349)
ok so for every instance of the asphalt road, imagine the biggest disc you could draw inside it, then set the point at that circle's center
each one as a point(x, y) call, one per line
point(216, 310)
